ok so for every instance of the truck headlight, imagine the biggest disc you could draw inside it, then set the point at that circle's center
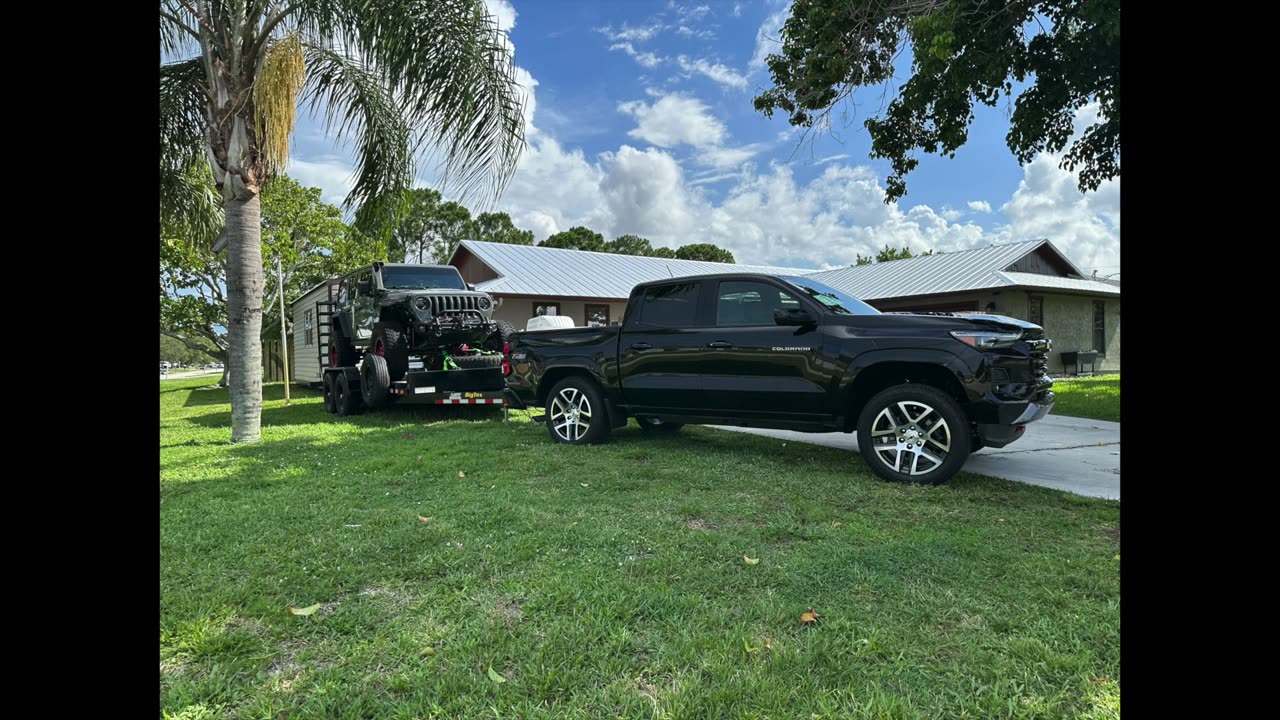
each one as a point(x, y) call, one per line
point(421, 303)
point(984, 340)
point(484, 302)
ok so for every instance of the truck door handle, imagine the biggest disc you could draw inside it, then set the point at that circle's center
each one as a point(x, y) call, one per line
point(719, 344)
point(640, 346)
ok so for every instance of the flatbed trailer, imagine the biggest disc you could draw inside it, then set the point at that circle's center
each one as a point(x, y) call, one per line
point(344, 393)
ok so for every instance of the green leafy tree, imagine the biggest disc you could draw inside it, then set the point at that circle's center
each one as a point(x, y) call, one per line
point(450, 225)
point(497, 227)
point(964, 51)
point(887, 254)
point(663, 252)
point(175, 351)
point(704, 251)
point(395, 77)
point(629, 245)
point(304, 232)
point(576, 238)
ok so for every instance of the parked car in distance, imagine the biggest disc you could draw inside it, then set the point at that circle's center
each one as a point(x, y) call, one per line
point(922, 391)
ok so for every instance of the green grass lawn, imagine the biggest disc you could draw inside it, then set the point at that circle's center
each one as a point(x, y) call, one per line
point(609, 581)
point(1096, 397)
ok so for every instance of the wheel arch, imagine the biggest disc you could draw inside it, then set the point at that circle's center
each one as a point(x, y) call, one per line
point(561, 371)
point(943, 371)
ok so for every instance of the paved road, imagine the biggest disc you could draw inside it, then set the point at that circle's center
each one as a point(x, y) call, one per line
point(1073, 454)
point(193, 373)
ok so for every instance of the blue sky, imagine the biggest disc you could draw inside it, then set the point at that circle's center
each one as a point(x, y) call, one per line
point(642, 123)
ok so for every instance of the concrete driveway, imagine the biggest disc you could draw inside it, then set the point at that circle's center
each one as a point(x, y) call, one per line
point(1074, 454)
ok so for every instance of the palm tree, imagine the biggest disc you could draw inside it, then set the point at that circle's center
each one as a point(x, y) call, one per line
point(401, 78)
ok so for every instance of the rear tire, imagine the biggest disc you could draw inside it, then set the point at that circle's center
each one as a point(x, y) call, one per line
point(341, 353)
point(346, 398)
point(500, 337)
point(391, 342)
point(914, 433)
point(330, 403)
point(576, 413)
point(656, 426)
point(375, 382)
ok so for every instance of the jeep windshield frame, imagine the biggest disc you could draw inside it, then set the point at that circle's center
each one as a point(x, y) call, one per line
point(421, 277)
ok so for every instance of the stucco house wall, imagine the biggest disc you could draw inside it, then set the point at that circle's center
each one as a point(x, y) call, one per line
point(518, 310)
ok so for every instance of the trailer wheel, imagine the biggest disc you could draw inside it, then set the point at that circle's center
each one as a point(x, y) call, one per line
point(346, 398)
point(375, 383)
point(391, 342)
point(330, 404)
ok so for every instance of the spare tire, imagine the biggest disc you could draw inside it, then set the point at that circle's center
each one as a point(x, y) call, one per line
point(474, 362)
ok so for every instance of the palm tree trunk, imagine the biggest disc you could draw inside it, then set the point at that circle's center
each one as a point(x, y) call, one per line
point(244, 316)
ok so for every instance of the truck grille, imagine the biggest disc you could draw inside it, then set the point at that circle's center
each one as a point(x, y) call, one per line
point(453, 303)
point(1039, 364)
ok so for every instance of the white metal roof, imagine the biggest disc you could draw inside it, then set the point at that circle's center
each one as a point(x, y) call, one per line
point(1054, 282)
point(929, 275)
point(552, 272)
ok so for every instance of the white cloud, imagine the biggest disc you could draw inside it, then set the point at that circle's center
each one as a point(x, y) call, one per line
point(631, 34)
point(674, 120)
point(717, 72)
point(504, 12)
point(686, 31)
point(1049, 204)
point(333, 174)
point(981, 206)
point(727, 157)
point(949, 213)
point(647, 59)
point(768, 36)
point(737, 9)
point(827, 159)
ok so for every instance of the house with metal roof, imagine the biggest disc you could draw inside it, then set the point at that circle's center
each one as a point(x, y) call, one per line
point(1031, 280)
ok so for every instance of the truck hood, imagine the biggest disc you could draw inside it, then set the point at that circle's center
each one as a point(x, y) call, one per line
point(943, 321)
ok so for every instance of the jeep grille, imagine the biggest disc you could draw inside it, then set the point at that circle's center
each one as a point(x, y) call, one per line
point(453, 303)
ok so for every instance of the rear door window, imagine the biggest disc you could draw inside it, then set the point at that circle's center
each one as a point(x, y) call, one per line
point(671, 306)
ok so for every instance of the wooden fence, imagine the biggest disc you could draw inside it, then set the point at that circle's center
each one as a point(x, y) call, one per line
point(272, 363)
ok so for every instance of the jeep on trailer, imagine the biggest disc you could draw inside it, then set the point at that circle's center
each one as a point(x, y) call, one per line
point(403, 331)
point(752, 350)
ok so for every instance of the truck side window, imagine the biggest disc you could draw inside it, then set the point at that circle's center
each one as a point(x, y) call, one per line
point(750, 303)
point(670, 305)
point(344, 290)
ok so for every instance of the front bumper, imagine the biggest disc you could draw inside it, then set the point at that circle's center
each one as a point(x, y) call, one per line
point(999, 434)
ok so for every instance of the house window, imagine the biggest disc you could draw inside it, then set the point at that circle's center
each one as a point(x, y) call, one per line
point(545, 308)
point(596, 315)
point(1036, 314)
point(1100, 326)
point(308, 328)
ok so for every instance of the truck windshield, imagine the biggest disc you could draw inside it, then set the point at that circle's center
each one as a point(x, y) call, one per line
point(422, 278)
point(835, 301)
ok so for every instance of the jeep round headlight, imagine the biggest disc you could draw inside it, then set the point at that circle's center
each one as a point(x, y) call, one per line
point(421, 303)
point(484, 302)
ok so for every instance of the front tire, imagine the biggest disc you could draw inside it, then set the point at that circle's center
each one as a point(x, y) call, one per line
point(392, 343)
point(914, 433)
point(501, 336)
point(575, 412)
point(341, 353)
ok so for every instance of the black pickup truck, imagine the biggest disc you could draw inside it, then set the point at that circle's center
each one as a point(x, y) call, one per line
point(921, 390)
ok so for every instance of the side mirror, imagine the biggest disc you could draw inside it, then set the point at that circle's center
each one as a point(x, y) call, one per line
point(362, 287)
point(471, 286)
point(798, 316)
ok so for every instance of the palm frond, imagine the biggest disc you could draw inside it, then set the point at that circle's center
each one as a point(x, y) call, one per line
point(177, 27)
point(451, 72)
point(357, 104)
point(190, 208)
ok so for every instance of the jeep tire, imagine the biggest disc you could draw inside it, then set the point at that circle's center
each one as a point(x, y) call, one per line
point(392, 343)
point(476, 362)
point(346, 398)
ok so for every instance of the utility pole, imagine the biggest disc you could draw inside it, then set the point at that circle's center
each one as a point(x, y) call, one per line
point(284, 339)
